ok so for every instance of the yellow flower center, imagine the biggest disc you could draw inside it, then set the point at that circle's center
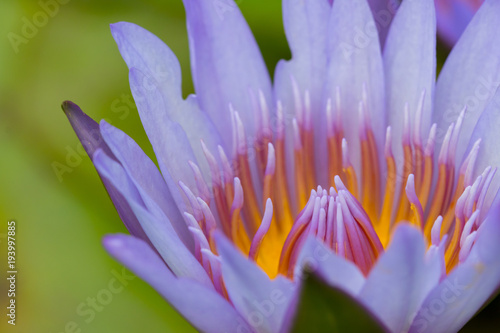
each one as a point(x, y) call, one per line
point(268, 218)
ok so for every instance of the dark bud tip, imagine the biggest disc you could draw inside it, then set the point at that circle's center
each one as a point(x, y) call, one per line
point(69, 107)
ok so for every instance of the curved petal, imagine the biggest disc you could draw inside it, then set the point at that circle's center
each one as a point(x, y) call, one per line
point(261, 301)
point(453, 17)
point(458, 297)
point(410, 67)
point(155, 224)
point(355, 61)
point(306, 24)
point(143, 50)
point(401, 279)
point(89, 135)
point(470, 75)
point(147, 53)
point(334, 270)
point(146, 177)
point(226, 64)
point(202, 307)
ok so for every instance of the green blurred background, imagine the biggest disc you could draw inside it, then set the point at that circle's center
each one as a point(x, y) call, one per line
point(51, 190)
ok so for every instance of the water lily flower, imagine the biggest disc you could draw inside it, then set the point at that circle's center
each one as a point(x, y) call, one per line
point(354, 193)
point(453, 16)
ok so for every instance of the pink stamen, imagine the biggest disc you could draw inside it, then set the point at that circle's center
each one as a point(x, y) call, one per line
point(215, 269)
point(238, 195)
point(262, 231)
point(330, 223)
point(340, 239)
point(307, 111)
point(467, 246)
point(202, 242)
point(417, 129)
point(227, 173)
point(436, 231)
point(415, 203)
point(212, 164)
point(468, 227)
point(388, 143)
point(192, 223)
point(200, 182)
point(192, 201)
point(271, 160)
point(298, 102)
point(431, 141)
point(484, 190)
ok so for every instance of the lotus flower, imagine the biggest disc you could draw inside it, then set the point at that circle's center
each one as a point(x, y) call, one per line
point(453, 17)
point(352, 194)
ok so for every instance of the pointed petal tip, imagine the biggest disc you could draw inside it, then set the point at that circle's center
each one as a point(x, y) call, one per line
point(122, 27)
point(105, 127)
point(118, 244)
point(113, 241)
point(115, 27)
point(69, 107)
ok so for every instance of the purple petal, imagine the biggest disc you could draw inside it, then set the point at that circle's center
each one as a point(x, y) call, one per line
point(154, 222)
point(453, 17)
point(306, 25)
point(169, 141)
point(202, 307)
point(142, 50)
point(89, 134)
point(401, 279)
point(458, 297)
point(284, 95)
point(261, 301)
point(147, 53)
point(410, 66)
point(470, 75)
point(306, 29)
point(226, 64)
point(335, 270)
point(383, 14)
point(146, 177)
point(355, 61)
